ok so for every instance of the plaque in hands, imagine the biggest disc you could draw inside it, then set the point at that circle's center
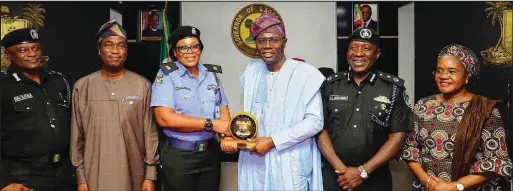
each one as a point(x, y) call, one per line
point(243, 128)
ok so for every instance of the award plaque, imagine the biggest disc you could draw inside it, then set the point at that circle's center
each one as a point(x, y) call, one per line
point(243, 126)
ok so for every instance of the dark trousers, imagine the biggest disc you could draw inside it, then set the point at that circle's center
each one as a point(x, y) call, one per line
point(40, 175)
point(380, 180)
point(189, 170)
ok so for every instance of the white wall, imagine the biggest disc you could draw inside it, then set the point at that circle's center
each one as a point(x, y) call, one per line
point(406, 33)
point(310, 28)
point(402, 177)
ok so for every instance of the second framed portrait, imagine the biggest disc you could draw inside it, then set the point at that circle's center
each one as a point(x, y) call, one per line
point(150, 27)
point(365, 15)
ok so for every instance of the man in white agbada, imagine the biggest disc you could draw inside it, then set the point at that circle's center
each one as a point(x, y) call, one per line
point(284, 96)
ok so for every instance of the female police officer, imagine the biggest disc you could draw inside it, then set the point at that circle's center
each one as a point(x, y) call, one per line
point(190, 104)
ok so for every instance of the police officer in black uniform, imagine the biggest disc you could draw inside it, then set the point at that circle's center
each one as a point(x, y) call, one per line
point(35, 129)
point(366, 117)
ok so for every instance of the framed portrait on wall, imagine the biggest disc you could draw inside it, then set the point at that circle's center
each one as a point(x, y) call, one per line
point(365, 14)
point(150, 27)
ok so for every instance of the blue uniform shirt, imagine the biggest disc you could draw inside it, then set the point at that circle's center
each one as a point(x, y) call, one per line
point(180, 91)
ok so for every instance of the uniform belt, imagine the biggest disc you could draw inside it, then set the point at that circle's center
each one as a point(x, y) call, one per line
point(196, 146)
point(53, 158)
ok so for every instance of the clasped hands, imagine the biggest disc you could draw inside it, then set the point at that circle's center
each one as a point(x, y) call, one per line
point(349, 178)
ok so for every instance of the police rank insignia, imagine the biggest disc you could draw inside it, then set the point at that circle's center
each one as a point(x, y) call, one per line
point(159, 79)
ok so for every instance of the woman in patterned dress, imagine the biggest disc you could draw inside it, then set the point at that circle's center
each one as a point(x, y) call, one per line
point(458, 142)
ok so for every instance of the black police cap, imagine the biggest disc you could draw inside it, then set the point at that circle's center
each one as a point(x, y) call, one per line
point(20, 36)
point(365, 34)
point(184, 32)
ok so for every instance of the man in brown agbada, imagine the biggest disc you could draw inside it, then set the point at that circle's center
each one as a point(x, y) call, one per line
point(114, 138)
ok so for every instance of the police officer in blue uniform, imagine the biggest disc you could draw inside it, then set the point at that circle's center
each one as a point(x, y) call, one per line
point(190, 105)
point(35, 131)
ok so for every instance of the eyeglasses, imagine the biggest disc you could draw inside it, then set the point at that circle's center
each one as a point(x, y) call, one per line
point(184, 49)
point(450, 72)
point(272, 40)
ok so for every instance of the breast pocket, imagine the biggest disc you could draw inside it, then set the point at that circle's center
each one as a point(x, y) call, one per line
point(185, 101)
point(132, 106)
point(379, 112)
point(337, 110)
point(25, 118)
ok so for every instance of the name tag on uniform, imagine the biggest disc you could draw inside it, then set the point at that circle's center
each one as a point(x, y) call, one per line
point(182, 88)
point(22, 97)
point(338, 97)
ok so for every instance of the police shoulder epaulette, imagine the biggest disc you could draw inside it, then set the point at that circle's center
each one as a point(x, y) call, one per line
point(213, 68)
point(335, 77)
point(169, 67)
point(51, 72)
point(391, 78)
point(67, 102)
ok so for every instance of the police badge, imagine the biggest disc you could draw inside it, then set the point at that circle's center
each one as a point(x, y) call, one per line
point(159, 79)
point(217, 93)
point(365, 33)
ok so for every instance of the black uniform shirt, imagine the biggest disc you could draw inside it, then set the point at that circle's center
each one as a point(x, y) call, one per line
point(360, 118)
point(35, 117)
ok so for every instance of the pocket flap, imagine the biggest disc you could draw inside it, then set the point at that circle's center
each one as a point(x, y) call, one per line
point(23, 107)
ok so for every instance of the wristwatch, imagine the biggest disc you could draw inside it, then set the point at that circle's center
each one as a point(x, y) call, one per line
point(459, 186)
point(208, 125)
point(363, 173)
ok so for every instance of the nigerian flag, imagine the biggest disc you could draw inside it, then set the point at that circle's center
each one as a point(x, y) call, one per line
point(164, 46)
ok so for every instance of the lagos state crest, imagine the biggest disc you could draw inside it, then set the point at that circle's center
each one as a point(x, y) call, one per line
point(241, 24)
